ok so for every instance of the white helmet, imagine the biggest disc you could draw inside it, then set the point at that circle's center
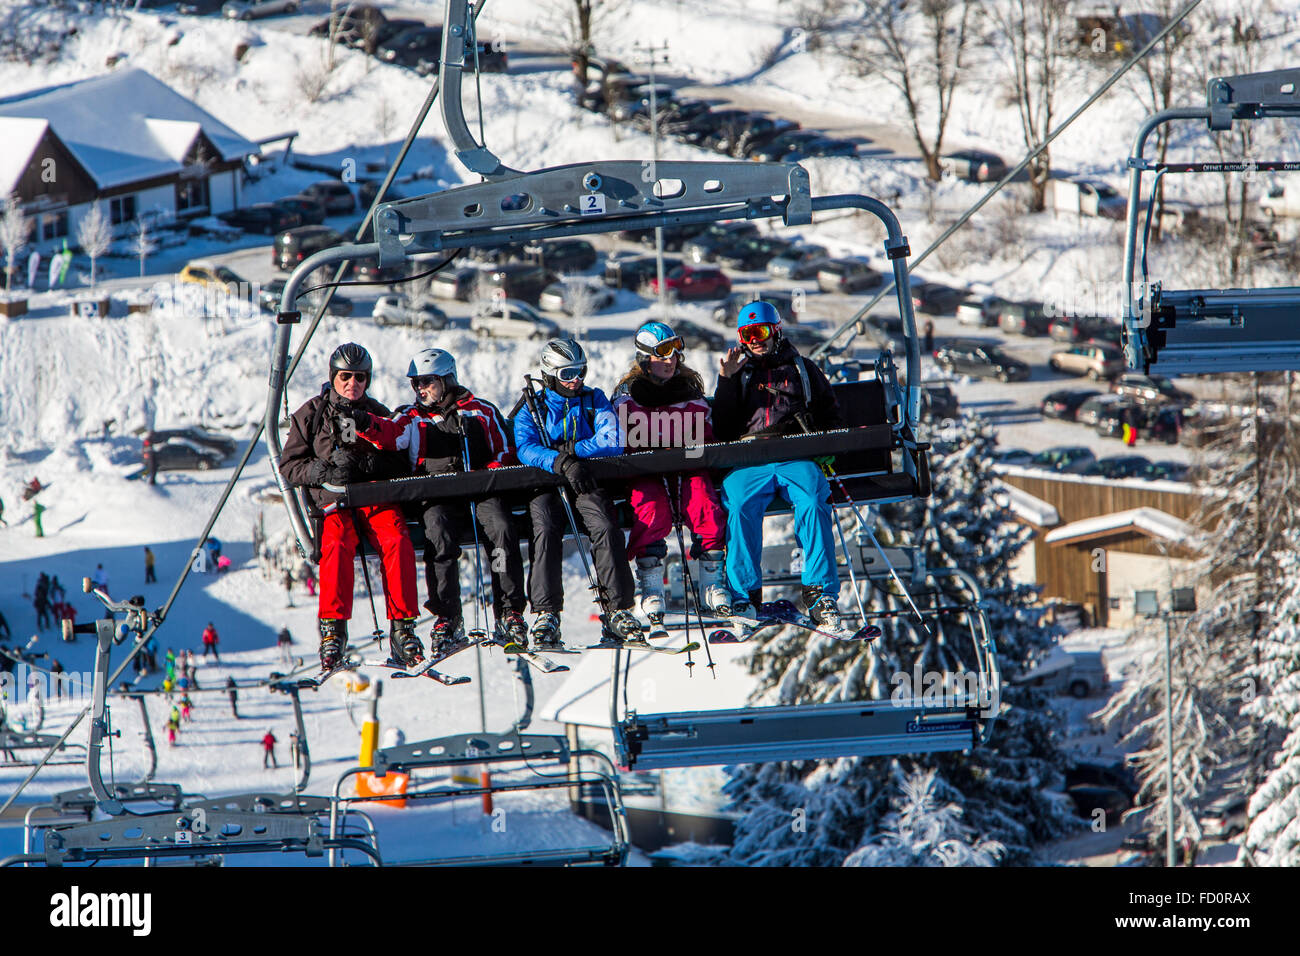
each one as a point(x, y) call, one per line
point(431, 362)
point(561, 359)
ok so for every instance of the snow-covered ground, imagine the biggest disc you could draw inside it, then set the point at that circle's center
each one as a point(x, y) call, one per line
point(61, 378)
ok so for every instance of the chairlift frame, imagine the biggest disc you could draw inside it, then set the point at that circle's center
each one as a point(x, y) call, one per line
point(1174, 332)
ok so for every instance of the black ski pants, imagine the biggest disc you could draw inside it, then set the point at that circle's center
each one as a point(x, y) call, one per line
point(595, 512)
point(445, 524)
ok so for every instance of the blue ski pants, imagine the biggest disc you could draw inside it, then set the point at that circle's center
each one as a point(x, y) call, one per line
point(746, 492)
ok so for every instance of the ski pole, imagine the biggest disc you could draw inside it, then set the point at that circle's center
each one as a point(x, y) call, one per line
point(479, 633)
point(365, 573)
point(692, 596)
point(531, 399)
point(853, 578)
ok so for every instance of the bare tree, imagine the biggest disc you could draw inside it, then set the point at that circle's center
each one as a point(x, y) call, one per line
point(94, 235)
point(582, 302)
point(918, 51)
point(14, 230)
point(1037, 33)
point(142, 243)
point(576, 25)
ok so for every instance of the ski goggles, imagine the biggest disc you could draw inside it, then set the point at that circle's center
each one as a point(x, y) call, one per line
point(664, 349)
point(571, 373)
point(361, 377)
point(758, 332)
point(424, 381)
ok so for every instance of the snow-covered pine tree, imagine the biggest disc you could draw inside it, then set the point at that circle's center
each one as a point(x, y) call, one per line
point(1273, 838)
point(1248, 471)
point(965, 524)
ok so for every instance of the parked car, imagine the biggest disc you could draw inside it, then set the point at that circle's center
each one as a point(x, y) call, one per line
point(354, 25)
point(1225, 817)
point(633, 271)
point(599, 67)
point(693, 282)
point(938, 402)
point(884, 332)
point(517, 280)
point(977, 358)
point(397, 309)
point(803, 337)
point(208, 274)
point(510, 318)
point(628, 104)
point(1024, 318)
point(980, 309)
point(562, 255)
point(1166, 471)
point(368, 189)
point(1065, 404)
point(180, 454)
point(576, 295)
point(1150, 389)
point(270, 295)
point(498, 255)
point(1070, 460)
point(265, 218)
point(335, 194)
point(1119, 466)
point(935, 298)
point(1079, 673)
point(699, 337)
point(704, 245)
point(1113, 417)
point(779, 147)
point(846, 276)
point(455, 283)
point(310, 210)
point(1087, 198)
point(411, 46)
point(294, 245)
point(1073, 328)
point(974, 165)
point(1093, 360)
point(784, 302)
point(820, 146)
point(199, 8)
point(1014, 456)
point(222, 445)
point(674, 237)
point(750, 254)
point(1118, 775)
point(256, 9)
point(800, 261)
point(1093, 408)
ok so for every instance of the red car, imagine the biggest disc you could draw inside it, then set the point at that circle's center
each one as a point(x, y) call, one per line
point(694, 282)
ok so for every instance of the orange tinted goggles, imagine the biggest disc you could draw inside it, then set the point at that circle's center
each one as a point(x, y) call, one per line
point(759, 332)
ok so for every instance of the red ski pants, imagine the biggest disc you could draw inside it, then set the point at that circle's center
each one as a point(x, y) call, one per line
point(386, 529)
point(652, 513)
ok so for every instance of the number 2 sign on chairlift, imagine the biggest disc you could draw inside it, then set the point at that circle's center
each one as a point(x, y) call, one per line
point(593, 204)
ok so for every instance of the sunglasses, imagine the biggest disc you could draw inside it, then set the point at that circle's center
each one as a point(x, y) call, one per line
point(759, 332)
point(424, 381)
point(571, 373)
point(666, 348)
point(361, 377)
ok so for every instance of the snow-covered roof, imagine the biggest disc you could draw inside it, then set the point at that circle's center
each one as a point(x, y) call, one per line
point(123, 127)
point(21, 135)
point(657, 684)
point(1030, 508)
point(1150, 521)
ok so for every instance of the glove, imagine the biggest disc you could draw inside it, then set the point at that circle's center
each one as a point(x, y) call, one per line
point(360, 418)
point(566, 447)
point(317, 471)
point(826, 463)
point(575, 472)
point(342, 466)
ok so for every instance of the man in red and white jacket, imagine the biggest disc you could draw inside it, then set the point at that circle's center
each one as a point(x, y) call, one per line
point(446, 422)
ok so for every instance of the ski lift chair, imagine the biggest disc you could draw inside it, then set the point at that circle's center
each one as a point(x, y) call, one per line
point(1184, 331)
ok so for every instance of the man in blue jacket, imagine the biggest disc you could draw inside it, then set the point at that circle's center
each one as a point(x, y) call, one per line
point(765, 387)
point(577, 423)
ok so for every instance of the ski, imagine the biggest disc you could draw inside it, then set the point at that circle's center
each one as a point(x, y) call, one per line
point(785, 612)
point(723, 636)
point(402, 671)
point(478, 637)
point(635, 646)
point(536, 660)
point(325, 675)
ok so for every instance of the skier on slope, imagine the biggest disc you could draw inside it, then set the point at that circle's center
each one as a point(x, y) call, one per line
point(660, 403)
point(210, 642)
point(578, 423)
point(435, 431)
point(765, 387)
point(322, 449)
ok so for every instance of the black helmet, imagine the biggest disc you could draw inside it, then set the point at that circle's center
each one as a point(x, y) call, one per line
point(349, 357)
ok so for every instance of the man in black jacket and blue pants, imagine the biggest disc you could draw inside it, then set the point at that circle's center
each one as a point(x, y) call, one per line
point(765, 387)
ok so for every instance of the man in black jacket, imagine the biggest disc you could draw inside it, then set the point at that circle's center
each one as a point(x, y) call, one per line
point(765, 387)
point(323, 452)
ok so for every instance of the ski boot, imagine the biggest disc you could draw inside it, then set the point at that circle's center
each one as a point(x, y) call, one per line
point(404, 646)
point(447, 637)
point(512, 629)
point(546, 632)
point(715, 595)
point(622, 627)
point(822, 609)
point(333, 643)
point(650, 582)
point(748, 607)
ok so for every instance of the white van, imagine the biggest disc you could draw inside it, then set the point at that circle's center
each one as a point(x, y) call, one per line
point(1278, 203)
point(1078, 673)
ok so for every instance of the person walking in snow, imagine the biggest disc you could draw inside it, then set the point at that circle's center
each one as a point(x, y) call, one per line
point(765, 387)
point(323, 449)
point(100, 578)
point(38, 509)
point(210, 642)
point(186, 706)
point(660, 388)
point(284, 642)
point(286, 579)
point(268, 751)
point(233, 694)
point(577, 423)
point(173, 726)
point(446, 423)
point(149, 577)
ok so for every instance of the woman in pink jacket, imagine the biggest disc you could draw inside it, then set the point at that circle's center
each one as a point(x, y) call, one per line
point(660, 404)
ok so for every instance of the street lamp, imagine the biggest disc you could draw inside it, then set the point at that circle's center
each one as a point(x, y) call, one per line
point(1147, 604)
